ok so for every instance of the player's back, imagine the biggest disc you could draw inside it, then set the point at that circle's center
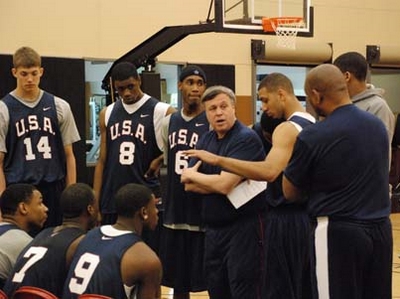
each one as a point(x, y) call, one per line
point(353, 182)
point(43, 262)
point(96, 265)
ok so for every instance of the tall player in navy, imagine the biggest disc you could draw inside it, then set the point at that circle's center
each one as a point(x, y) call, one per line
point(182, 246)
point(36, 135)
point(130, 139)
point(45, 261)
point(234, 233)
point(287, 226)
point(112, 260)
point(340, 167)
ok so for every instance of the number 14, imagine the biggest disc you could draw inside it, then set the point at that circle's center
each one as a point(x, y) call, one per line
point(42, 147)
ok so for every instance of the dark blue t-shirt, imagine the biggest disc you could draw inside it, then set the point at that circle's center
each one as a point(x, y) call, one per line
point(241, 143)
point(342, 165)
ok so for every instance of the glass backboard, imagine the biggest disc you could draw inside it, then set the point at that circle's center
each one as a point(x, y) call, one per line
point(248, 14)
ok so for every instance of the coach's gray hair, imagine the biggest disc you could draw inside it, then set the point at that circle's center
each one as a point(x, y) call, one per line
point(211, 92)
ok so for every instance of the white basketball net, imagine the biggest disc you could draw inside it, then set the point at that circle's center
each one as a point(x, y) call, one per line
point(286, 32)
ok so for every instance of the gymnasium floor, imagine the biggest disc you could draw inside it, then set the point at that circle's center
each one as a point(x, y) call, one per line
point(167, 293)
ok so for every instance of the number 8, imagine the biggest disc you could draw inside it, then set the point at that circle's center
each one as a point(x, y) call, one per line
point(126, 153)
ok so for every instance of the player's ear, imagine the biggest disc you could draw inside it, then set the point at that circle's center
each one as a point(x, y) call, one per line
point(347, 76)
point(144, 214)
point(22, 208)
point(14, 72)
point(90, 209)
point(319, 96)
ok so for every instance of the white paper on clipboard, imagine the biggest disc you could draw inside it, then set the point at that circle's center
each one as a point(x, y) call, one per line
point(245, 191)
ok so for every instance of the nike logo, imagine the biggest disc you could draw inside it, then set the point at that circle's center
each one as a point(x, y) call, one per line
point(46, 108)
point(106, 238)
point(198, 125)
point(144, 115)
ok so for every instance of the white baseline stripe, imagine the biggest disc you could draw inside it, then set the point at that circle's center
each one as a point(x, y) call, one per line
point(321, 257)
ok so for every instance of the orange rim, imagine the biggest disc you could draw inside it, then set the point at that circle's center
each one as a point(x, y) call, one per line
point(267, 22)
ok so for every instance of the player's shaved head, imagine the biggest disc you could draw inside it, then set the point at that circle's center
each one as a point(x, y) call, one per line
point(326, 89)
point(327, 79)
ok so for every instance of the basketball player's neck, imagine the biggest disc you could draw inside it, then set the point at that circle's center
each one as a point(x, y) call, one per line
point(192, 110)
point(28, 96)
point(72, 223)
point(123, 225)
point(293, 106)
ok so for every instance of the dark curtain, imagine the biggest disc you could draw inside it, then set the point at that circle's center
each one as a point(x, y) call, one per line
point(219, 75)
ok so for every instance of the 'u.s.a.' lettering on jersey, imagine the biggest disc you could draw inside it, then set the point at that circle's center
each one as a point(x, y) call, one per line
point(125, 128)
point(183, 137)
point(31, 123)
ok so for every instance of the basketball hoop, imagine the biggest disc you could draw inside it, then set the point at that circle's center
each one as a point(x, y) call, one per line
point(285, 28)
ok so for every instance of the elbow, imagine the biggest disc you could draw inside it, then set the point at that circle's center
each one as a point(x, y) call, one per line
point(270, 177)
point(290, 192)
point(225, 189)
point(290, 196)
point(269, 174)
point(69, 152)
point(187, 188)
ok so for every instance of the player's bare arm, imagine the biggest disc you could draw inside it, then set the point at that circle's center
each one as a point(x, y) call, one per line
point(268, 170)
point(222, 183)
point(290, 191)
point(98, 171)
point(170, 110)
point(154, 168)
point(141, 267)
point(70, 177)
point(203, 155)
point(71, 251)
